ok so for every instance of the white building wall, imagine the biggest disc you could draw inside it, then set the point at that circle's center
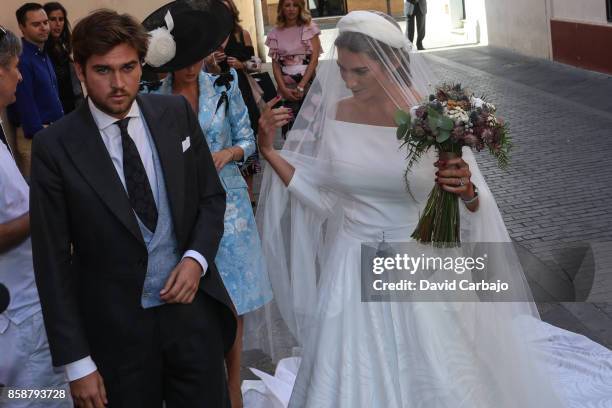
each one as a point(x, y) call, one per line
point(524, 25)
point(476, 19)
point(520, 25)
point(585, 11)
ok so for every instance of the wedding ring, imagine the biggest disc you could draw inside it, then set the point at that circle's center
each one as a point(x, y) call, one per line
point(461, 182)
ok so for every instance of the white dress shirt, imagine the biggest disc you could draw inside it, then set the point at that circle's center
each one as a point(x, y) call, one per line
point(111, 136)
point(16, 267)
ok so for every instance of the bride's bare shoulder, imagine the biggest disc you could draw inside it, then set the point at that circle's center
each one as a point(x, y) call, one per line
point(345, 109)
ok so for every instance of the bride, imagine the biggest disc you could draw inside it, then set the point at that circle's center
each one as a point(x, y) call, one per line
point(337, 183)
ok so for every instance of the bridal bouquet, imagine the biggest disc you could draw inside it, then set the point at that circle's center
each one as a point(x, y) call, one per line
point(451, 119)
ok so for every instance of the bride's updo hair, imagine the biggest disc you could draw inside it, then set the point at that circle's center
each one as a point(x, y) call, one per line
point(362, 43)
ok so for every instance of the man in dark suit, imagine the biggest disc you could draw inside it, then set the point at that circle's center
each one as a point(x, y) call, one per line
point(418, 13)
point(127, 214)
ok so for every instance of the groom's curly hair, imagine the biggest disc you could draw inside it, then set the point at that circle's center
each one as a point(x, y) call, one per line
point(104, 29)
point(361, 43)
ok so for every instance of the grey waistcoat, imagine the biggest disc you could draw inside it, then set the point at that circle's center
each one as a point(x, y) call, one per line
point(161, 245)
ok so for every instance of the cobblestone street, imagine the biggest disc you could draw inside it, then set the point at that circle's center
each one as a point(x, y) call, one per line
point(555, 196)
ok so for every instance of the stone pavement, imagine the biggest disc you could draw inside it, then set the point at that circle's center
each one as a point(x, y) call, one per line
point(556, 194)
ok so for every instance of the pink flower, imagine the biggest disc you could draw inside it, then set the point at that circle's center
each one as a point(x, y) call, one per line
point(458, 133)
point(420, 112)
point(487, 135)
point(471, 140)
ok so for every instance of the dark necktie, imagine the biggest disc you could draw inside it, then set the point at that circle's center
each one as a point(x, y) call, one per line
point(136, 180)
point(3, 139)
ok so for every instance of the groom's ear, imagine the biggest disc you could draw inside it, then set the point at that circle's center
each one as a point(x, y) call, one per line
point(80, 71)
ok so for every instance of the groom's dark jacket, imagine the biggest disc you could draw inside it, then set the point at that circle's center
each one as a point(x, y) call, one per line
point(90, 259)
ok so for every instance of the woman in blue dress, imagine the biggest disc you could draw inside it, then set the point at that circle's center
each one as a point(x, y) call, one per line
point(224, 119)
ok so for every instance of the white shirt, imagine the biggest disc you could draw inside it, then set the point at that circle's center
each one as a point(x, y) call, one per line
point(111, 136)
point(16, 267)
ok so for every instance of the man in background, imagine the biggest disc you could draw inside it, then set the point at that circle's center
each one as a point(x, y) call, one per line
point(416, 10)
point(37, 104)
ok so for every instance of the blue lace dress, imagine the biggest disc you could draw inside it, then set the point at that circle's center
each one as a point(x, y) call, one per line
point(239, 259)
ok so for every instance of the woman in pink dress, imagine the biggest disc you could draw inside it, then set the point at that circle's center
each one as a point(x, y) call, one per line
point(294, 48)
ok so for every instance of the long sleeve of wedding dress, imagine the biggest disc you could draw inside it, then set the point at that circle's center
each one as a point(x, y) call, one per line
point(311, 195)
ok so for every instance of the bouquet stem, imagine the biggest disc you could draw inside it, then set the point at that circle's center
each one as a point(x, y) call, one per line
point(439, 224)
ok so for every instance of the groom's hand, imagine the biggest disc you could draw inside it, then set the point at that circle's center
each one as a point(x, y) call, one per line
point(89, 391)
point(183, 283)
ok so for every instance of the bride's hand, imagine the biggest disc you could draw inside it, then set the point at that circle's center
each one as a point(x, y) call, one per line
point(454, 176)
point(269, 121)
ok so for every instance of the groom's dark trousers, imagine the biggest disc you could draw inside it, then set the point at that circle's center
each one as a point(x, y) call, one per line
point(90, 261)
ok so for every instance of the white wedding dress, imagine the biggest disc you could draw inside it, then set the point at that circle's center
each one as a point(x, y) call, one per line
point(409, 354)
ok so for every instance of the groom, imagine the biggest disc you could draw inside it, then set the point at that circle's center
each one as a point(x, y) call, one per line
point(127, 214)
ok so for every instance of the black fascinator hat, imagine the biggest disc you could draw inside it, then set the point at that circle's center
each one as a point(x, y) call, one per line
point(185, 31)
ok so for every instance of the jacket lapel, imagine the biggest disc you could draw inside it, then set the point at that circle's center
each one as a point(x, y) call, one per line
point(92, 159)
point(167, 140)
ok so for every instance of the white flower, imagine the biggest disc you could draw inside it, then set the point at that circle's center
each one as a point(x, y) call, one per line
point(162, 47)
point(241, 224)
point(477, 102)
point(231, 210)
point(458, 116)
